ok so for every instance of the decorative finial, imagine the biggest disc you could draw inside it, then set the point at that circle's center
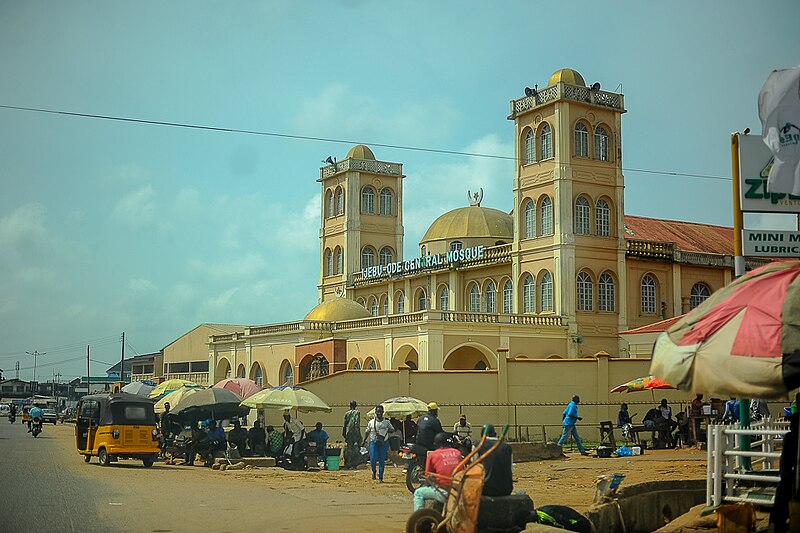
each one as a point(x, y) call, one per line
point(339, 292)
point(475, 199)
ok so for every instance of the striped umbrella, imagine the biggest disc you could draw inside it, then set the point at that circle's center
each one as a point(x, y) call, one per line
point(742, 341)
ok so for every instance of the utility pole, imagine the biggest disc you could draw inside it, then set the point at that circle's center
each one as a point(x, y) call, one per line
point(35, 354)
point(122, 363)
point(88, 371)
point(16, 370)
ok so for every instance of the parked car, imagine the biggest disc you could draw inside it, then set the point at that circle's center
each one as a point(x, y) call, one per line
point(49, 415)
point(5, 410)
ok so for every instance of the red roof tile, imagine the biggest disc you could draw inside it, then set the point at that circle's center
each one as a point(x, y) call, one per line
point(687, 236)
point(655, 327)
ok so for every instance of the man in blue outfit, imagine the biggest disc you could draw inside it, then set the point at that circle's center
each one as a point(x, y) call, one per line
point(570, 418)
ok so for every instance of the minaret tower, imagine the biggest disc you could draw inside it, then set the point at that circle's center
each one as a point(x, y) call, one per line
point(361, 219)
point(568, 208)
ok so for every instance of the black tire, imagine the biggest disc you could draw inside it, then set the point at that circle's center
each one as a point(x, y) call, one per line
point(148, 462)
point(87, 458)
point(423, 521)
point(415, 476)
point(35, 433)
point(103, 457)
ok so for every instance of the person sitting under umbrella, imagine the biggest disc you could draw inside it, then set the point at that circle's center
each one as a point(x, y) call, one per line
point(319, 437)
point(237, 437)
point(216, 436)
point(275, 442)
point(257, 439)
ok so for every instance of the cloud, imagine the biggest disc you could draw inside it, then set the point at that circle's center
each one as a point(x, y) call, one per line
point(137, 209)
point(128, 174)
point(27, 247)
point(141, 285)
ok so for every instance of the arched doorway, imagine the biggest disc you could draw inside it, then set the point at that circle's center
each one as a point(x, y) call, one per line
point(313, 367)
point(287, 373)
point(468, 357)
point(406, 355)
point(223, 370)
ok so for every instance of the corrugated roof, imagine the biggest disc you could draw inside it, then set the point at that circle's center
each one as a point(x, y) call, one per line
point(687, 236)
point(655, 327)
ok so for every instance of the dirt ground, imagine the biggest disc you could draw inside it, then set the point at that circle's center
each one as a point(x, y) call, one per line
point(569, 481)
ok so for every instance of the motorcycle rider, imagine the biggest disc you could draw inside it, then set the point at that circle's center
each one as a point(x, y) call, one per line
point(12, 414)
point(35, 414)
point(440, 464)
point(428, 426)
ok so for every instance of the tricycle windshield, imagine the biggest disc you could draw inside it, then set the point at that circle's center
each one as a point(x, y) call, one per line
point(133, 414)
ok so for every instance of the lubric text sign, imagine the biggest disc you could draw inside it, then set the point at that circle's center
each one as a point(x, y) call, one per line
point(766, 243)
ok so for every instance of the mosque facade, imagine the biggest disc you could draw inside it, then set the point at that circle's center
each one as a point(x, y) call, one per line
point(558, 277)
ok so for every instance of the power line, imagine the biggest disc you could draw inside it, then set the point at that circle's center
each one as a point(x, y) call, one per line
point(328, 139)
point(98, 343)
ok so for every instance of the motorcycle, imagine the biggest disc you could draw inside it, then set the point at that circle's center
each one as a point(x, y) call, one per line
point(36, 427)
point(415, 457)
point(12, 418)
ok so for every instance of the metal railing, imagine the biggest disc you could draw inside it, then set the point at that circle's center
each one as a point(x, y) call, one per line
point(201, 378)
point(728, 478)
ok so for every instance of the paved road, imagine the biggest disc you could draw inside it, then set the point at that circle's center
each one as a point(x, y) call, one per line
point(47, 474)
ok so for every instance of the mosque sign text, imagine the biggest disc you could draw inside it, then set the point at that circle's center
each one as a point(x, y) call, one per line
point(428, 262)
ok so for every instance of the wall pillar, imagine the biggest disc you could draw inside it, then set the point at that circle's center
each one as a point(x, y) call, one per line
point(603, 387)
point(505, 412)
point(404, 381)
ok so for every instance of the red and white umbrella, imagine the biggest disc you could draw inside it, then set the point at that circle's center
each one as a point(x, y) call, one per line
point(243, 387)
point(742, 341)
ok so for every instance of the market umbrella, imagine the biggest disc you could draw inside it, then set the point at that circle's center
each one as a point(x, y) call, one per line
point(286, 397)
point(216, 404)
point(742, 341)
point(401, 406)
point(173, 398)
point(645, 383)
point(243, 387)
point(139, 388)
point(165, 387)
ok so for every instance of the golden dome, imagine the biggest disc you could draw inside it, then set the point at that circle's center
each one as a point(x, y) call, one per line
point(567, 75)
point(472, 221)
point(336, 309)
point(360, 152)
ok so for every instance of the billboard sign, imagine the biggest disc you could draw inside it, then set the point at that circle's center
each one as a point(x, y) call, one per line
point(755, 160)
point(768, 243)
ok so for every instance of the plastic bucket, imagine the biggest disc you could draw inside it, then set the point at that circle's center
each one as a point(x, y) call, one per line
point(332, 462)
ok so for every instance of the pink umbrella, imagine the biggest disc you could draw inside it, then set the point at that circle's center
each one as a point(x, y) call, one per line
point(242, 387)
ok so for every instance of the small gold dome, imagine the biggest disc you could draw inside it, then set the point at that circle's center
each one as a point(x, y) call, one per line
point(472, 221)
point(567, 75)
point(360, 152)
point(337, 309)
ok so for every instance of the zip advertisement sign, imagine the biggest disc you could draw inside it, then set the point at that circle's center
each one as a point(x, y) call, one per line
point(755, 160)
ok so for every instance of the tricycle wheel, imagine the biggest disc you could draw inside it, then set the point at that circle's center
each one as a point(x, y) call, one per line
point(415, 476)
point(148, 462)
point(103, 457)
point(423, 521)
point(87, 458)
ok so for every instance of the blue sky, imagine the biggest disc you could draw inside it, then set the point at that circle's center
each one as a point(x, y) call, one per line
point(110, 226)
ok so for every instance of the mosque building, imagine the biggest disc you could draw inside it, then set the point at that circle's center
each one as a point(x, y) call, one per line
point(558, 277)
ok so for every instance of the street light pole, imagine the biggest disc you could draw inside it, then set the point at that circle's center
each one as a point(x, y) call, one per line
point(35, 354)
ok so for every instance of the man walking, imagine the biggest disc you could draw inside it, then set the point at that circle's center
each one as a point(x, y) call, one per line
point(569, 419)
point(351, 432)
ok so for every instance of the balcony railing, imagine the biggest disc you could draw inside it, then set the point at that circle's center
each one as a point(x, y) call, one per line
point(201, 378)
point(660, 251)
point(363, 165)
point(142, 377)
point(566, 91)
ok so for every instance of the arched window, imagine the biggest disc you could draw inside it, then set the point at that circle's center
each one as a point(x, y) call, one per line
point(387, 256)
point(328, 262)
point(401, 302)
point(582, 215)
point(385, 305)
point(258, 376)
point(422, 251)
point(700, 293)
point(329, 205)
point(422, 301)
point(318, 368)
point(547, 292)
point(606, 292)
point(456, 245)
point(648, 295)
point(508, 296)
point(355, 365)
point(546, 141)
point(474, 298)
point(528, 295)
point(491, 297)
point(372, 365)
point(373, 306)
point(367, 257)
point(287, 373)
point(547, 216)
point(602, 222)
point(339, 201)
point(585, 292)
point(368, 200)
point(581, 140)
point(530, 219)
point(530, 147)
point(337, 257)
point(601, 144)
point(387, 201)
point(444, 299)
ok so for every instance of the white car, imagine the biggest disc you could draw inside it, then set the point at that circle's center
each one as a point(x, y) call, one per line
point(5, 410)
point(49, 415)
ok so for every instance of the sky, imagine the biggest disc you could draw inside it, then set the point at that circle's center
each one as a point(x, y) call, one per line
point(113, 226)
